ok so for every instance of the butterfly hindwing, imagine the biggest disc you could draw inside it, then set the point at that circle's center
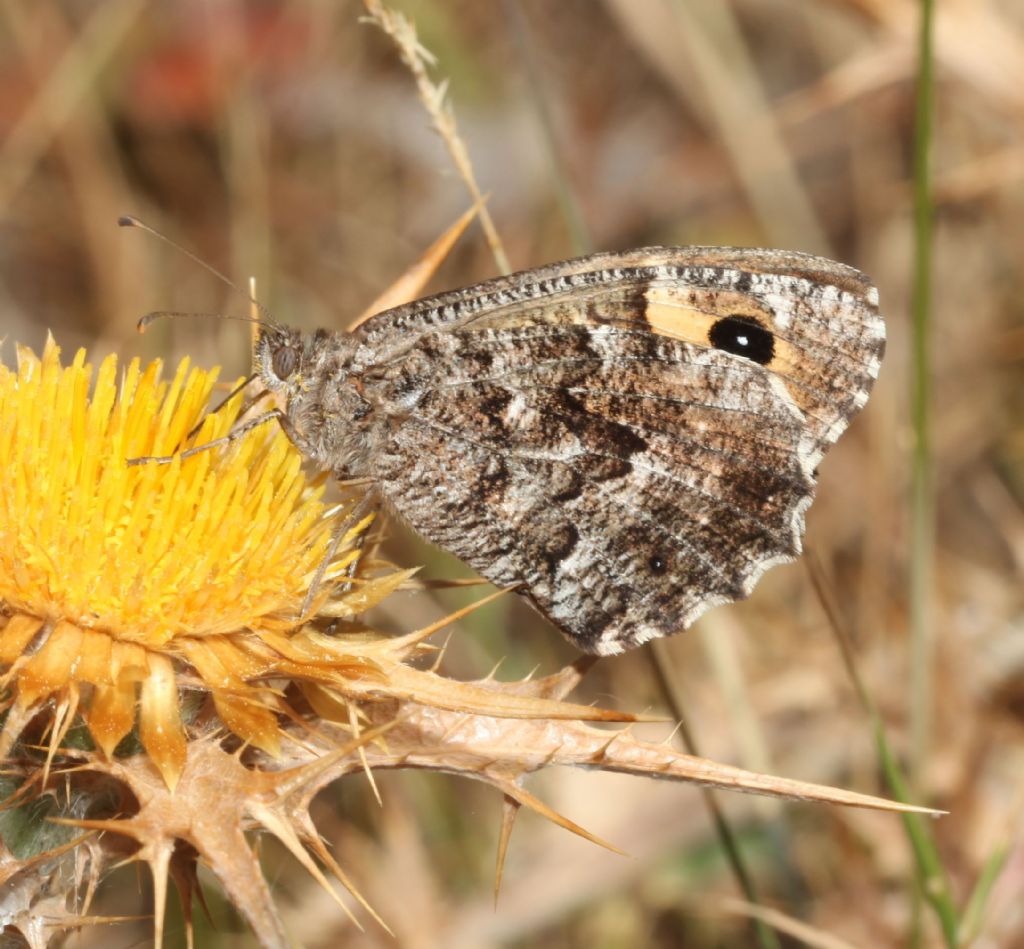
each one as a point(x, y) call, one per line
point(625, 480)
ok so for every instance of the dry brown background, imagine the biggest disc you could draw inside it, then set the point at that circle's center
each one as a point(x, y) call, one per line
point(286, 141)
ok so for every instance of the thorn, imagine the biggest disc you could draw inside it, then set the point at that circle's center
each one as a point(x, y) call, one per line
point(353, 721)
point(670, 738)
point(279, 826)
point(494, 670)
point(522, 796)
point(317, 846)
point(602, 752)
point(424, 632)
point(509, 812)
point(440, 653)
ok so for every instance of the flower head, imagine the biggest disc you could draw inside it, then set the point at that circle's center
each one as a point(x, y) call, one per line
point(109, 571)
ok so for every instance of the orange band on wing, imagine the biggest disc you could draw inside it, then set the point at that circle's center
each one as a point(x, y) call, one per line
point(670, 315)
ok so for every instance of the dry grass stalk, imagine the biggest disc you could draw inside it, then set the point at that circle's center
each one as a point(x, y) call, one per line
point(434, 98)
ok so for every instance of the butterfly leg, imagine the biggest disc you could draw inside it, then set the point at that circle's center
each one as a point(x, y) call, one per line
point(364, 506)
point(231, 436)
point(220, 405)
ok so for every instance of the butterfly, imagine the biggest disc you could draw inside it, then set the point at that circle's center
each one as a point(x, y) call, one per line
point(628, 439)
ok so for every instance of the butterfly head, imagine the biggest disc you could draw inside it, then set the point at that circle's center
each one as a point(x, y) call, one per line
point(278, 358)
point(309, 373)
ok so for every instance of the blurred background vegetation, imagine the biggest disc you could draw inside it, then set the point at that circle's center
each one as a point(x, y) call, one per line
point(286, 141)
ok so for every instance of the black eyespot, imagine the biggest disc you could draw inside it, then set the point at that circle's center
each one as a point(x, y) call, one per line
point(657, 564)
point(284, 362)
point(743, 336)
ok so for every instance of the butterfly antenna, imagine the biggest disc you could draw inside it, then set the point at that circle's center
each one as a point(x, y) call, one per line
point(179, 314)
point(128, 220)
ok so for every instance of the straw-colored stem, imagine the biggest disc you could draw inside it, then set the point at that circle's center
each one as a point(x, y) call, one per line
point(434, 98)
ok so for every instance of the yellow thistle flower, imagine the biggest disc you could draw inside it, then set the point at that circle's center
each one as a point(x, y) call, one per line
point(110, 572)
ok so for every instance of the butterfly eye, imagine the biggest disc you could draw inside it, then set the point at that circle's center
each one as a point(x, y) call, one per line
point(743, 336)
point(284, 362)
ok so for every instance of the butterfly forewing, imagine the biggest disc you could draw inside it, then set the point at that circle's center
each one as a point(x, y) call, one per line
point(822, 315)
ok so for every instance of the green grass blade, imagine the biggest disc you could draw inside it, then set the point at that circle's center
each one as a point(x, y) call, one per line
point(922, 502)
point(930, 872)
point(974, 912)
point(932, 882)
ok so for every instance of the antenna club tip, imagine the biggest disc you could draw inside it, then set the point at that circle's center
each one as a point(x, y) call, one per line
point(126, 220)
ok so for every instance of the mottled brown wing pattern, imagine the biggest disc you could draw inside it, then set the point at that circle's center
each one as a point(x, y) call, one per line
point(627, 439)
point(585, 433)
point(627, 483)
